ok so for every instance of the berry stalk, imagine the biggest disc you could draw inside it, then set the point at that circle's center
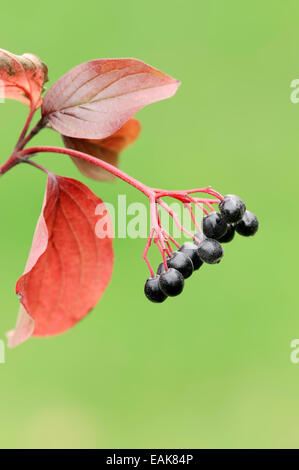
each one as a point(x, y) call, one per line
point(89, 158)
point(214, 225)
point(20, 141)
point(157, 233)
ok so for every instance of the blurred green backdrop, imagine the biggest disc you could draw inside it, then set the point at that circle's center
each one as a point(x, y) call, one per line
point(211, 368)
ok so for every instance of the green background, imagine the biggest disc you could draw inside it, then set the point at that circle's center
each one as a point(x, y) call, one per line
point(212, 367)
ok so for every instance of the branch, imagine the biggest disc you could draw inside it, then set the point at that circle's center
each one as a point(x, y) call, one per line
point(96, 161)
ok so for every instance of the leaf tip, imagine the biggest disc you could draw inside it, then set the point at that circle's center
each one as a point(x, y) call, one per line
point(23, 330)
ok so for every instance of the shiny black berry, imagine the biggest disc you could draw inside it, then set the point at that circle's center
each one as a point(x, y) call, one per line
point(152, 290)
point(232, 208)
point(179, 261)
point(171, 282)
point(210, 251)
point(191, 249)
point(229, 234)
point(248, 225)
point(214, 225)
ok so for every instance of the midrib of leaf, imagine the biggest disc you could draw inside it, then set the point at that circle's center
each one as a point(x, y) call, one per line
point(108, 98)
point(73, 233)
point(88, 81)
point(62, 108)
point(82, 258)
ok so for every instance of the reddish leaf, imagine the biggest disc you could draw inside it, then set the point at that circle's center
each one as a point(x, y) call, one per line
point(125, 136)
point(105, 149)
point(93, 100)
point(24, 329)
point(22, 77)
point(68, 268)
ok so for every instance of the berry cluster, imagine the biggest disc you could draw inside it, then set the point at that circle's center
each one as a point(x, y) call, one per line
point(216, 228)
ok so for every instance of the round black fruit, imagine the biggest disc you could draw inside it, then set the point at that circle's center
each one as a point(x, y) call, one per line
point(232, 208)
point(191, 249)
point(210, 251)
point(179, 261)
point(214, 225)
point(171, 282)
point(152, 290)
point(229, 234)
point(248, 226)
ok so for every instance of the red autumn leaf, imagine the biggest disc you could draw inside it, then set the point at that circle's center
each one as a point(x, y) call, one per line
point(105, 149)
point(22, 77)
point(94, 99)
point(24, 328)
point(68, 268)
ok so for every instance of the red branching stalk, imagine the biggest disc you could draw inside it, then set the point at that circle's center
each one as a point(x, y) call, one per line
point(89, 158)
point(190, 210)
point(158, 235)
point(20, 142)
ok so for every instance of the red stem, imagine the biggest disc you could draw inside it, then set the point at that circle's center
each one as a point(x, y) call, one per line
point(88, 158)
point(10, 163)
point(173, 215)
point(198, 205)
point(14, 159)
point(207, 190)
point(25, 128)
point(189, 208)
point(144, 256)
point(157, 234)
point(35, 130)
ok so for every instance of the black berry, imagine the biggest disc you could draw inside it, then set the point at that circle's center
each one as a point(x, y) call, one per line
point(191, 249)
point(248, 225)
point(171, 282)
point(229, 234)
point(179, 261)
point(152, 290)
point(210, 251)
point(232, 208)
point(214, 225)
